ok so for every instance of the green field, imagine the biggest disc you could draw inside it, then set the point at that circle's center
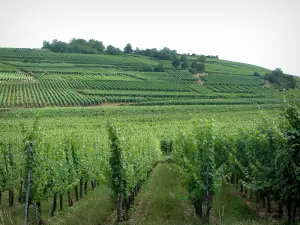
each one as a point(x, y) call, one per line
point(105, 140)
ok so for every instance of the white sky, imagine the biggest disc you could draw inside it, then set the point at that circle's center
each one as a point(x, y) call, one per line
point(260, 32)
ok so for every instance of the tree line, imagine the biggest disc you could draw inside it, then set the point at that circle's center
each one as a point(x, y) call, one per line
point(284, 81)
point(93, 46)
point(195, 65)
point(97, 47)
point(80, 46)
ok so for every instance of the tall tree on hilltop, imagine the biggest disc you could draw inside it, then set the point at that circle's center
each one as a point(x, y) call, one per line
point(128, 48)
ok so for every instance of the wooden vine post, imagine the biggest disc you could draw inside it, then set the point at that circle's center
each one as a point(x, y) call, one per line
point(28, 151)
point(11, 192)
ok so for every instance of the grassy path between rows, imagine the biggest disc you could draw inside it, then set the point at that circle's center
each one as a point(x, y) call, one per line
point(95, 209)
point(230, 209)
point(164, 200)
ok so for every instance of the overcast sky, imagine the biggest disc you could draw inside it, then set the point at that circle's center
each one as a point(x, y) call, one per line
point(260, 32)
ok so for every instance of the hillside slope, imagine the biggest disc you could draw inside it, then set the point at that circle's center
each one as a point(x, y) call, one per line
point(39, 78)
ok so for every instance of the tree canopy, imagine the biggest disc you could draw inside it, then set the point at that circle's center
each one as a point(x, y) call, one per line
point(111, 50)
point(202, 58)
point(164, 54)
point(75, 46)
point(93, 46)
point(256, 74)
point(183, 58)
point(198, 67)
point(176, 62)
point(284, 81)
point(128, 48)
point(184, 65)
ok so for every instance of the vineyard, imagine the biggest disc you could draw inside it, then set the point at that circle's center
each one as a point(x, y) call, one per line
point(38, 78)
point(208, 152)
point(96, 139)
point(32, 55)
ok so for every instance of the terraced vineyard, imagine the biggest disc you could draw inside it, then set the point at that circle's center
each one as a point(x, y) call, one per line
point(36, 55)
point(38, 78)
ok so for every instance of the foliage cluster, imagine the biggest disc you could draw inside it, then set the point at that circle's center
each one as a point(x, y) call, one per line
point(163, 54)
point(75, 46)
point(264, 159)
point(194, 151)
point(284, 81)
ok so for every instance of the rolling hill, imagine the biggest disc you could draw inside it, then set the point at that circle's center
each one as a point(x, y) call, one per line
point(40, 78)
point(172, 138)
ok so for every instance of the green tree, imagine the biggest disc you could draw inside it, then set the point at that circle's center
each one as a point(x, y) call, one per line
point(75, 46)
point(167, 54)
point(198, 67)
point(256, 74)
point(282, 80)
point(46, 45)
point(183, 58)
point(201, 58)
point(128, 48)
point(176, 62)
point(60, 46)
point(184, 65)
point(96, 45)
point(78, 46)
point(111, 50)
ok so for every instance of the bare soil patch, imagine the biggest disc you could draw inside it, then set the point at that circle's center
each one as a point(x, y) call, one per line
point(201, 82)
point(267, 84)
point(197, 75)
